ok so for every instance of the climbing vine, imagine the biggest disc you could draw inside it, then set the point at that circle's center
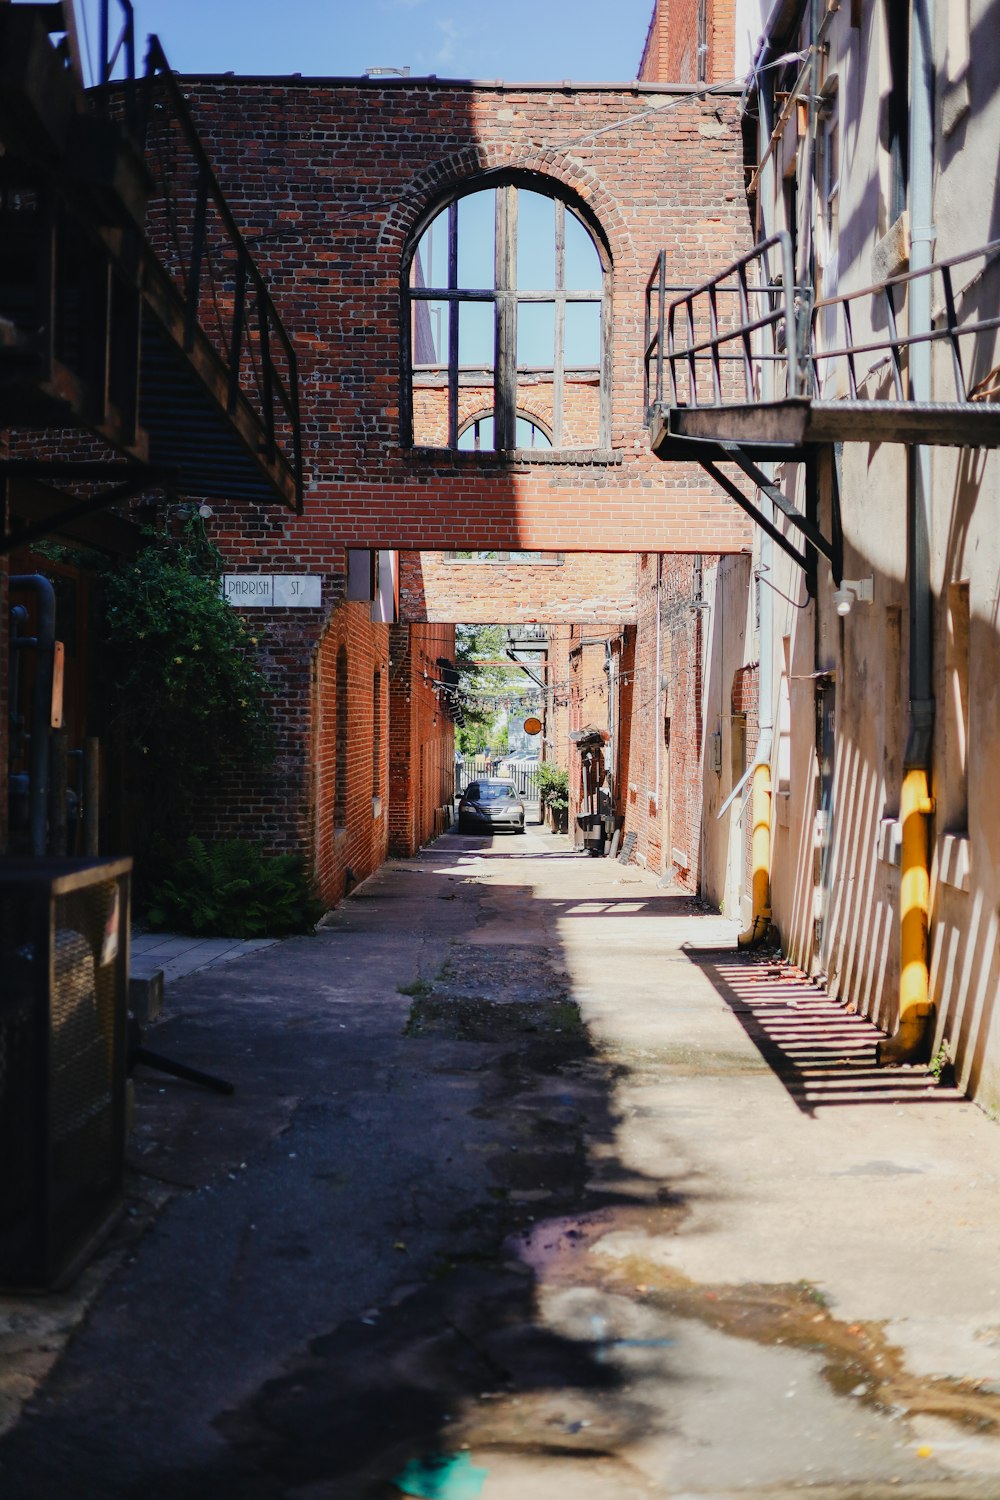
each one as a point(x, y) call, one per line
point(189, 696)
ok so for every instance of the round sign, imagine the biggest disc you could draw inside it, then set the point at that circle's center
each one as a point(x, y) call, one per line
point(532, 726)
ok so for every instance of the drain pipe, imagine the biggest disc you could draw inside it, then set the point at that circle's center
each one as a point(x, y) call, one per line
point(41, 702)
point(912, 1040)
point(760, 789)
point(760, 792)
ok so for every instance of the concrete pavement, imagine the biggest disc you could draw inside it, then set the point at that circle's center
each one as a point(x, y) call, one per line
point(529, 1187)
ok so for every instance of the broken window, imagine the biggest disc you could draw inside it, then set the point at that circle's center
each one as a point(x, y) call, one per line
point(506, 326)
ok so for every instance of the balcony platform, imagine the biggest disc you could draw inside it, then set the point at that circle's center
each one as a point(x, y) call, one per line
point(786, 426)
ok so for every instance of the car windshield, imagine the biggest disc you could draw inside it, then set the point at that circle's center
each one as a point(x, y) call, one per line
point(496, 791)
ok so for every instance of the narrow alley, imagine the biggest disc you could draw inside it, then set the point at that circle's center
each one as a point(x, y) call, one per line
point(529, 1186)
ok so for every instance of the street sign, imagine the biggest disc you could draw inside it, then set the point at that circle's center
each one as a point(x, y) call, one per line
point(532, 726)
point(273, 590)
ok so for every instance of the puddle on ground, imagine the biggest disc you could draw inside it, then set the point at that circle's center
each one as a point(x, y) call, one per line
point(857, 1359)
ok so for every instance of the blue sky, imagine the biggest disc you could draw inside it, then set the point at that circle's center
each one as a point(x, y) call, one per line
point(517, 40)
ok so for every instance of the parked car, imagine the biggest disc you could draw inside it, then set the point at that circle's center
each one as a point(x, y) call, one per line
point(489, 805)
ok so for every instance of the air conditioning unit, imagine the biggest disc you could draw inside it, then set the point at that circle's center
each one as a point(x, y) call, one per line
point(64, 940)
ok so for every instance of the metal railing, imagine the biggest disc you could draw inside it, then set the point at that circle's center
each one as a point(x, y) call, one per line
point(751, 336)
point(746, 304)
point(198, 242)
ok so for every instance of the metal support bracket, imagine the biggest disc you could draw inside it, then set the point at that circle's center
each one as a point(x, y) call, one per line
point(809, 527)
point(735, 493)
point(816, 543)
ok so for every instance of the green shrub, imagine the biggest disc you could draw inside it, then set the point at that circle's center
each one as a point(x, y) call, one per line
point(233, 889)
point(553, 787)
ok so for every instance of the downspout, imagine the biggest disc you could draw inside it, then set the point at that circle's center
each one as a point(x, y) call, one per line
point(760, 793)
point(657, 692)
point(41, 703)
point(911, 1042)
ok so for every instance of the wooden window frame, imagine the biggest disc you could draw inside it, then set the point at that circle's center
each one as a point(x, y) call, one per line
point(505, 297)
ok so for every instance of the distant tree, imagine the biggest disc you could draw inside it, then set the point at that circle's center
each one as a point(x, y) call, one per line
point(475, 644)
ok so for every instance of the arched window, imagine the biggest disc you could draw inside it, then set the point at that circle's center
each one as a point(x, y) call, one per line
point(506, 323)
point(476, 432)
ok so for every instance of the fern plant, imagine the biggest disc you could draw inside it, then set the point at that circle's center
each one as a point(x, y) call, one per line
point(233, 889)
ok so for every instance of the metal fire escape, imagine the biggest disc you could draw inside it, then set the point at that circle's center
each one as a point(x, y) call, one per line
point(145, 368)
point(749, 369)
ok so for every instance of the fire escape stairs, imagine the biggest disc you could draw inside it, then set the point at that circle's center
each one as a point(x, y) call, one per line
point(105, 346)
point(747, 369)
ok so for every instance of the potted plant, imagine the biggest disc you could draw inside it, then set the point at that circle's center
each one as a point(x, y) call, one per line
point(553, 791)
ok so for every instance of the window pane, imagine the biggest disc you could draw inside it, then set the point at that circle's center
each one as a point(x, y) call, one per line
point(430, 263)
point(583, 334)
point(429, 332)
point(476, 335)
point(536, 243)
point(536, 324)
point(583, 264)
point(529, 435)
point(476, 241)
point(478, 436)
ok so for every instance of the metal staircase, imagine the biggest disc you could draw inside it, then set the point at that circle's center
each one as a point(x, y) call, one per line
point(143, 368)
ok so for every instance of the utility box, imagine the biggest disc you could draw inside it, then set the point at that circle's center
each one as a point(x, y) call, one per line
point(64, 956)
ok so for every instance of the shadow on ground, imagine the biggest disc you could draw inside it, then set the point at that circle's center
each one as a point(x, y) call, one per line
point(823, 1053)
point(385, 1295)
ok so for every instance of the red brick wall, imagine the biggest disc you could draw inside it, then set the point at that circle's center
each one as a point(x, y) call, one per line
point(670, 53)
point(348, 853)
point(583, 585)
point(329, 179)
point(422, 738)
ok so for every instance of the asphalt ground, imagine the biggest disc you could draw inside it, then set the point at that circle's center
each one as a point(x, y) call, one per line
point(529, 1187)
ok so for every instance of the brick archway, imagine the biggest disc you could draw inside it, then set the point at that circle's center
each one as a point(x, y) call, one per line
point(487, 160)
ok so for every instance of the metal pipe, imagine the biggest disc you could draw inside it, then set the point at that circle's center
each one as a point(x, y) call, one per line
point(58, 842)
point(657, 694)
point(760, 796)
point(91, 795)
point(912, 1039)
point(44, 642)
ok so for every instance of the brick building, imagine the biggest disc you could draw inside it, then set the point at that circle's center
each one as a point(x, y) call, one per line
point(690, 41)
point(462, 272)
point(349, 189)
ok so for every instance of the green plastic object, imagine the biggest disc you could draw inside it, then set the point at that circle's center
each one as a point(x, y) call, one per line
point(442, 1476)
